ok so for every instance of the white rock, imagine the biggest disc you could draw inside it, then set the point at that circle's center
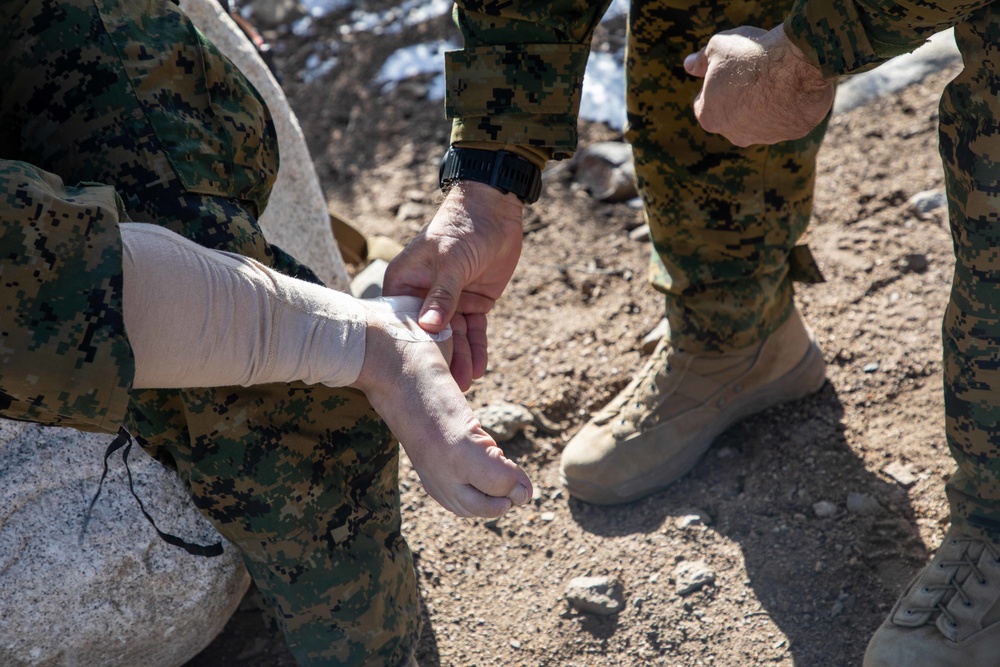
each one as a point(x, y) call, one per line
point(296, 218)
point(926, 201)
point(824, 509)
point(901, 472)
point(121, 597)
point(692, 575)
point(595, 595)
point(692, 516)
point(503, 421)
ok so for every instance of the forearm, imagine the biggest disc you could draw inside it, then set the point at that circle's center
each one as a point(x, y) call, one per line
point(857, 35)
point(518, 79)
point(197, 317)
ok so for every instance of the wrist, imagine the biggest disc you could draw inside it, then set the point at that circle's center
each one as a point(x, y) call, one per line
point(502, 170)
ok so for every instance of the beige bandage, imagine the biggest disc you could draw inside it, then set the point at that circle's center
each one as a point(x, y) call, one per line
point(203, 318)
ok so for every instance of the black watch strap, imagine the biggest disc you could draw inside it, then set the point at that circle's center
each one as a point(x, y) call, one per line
point(505, 171)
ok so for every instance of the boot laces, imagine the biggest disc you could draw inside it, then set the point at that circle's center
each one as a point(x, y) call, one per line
point(962, 564)
point(640, 404)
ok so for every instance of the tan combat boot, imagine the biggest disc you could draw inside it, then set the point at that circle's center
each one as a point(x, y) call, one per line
point(665, 420)
point(948, 616)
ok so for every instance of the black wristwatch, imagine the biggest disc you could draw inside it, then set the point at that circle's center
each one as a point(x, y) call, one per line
point(505, 171)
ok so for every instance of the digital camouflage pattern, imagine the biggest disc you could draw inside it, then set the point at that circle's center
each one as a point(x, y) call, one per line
point(724, 220)
point(969, 142)
point(723, 238)
point(128, 100)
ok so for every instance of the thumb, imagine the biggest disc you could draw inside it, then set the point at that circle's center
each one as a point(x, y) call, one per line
point(696, 64)
point(440, 303)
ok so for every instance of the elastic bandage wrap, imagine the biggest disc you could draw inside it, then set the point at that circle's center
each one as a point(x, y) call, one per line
point(197, 317)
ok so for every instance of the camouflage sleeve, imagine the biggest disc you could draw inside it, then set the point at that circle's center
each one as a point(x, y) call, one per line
point(857, 35)
point(517, 81)
point(64, 357)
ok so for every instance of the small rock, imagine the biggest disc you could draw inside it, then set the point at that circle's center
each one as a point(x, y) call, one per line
point(914, 263)
point(515, 644)
point(824, 509)
point(548, 516)
point(368, 283)
point(693, 575)
point(607, 171)
point(924, 202)
point(859, 503)
point(901, 472)
point(691, 516)
point(503, 421)
point(595, 595)
point(653, 338)
point(871, 368)
point(640, 234)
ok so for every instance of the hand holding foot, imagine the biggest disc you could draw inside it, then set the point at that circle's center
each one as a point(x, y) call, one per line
point(407, 379)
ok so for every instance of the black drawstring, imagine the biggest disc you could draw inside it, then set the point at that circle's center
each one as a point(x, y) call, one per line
point(123, 439)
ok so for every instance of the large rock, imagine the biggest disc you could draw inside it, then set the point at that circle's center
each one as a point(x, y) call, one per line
point(296, 218)
point(121, 596)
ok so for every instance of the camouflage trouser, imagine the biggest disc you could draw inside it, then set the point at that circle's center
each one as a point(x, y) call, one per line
point(302, 479)
point(724, 220)
point(970, 149)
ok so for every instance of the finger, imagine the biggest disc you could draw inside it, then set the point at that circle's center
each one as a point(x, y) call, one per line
point(441, 301)
point(504, 480)
point(478, 343)
point(461, 355)
point(473, 502)
point(696, 64)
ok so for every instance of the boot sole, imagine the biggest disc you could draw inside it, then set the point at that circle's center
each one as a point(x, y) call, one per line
point(805, 379)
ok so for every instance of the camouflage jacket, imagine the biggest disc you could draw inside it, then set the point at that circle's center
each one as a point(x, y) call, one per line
point(64, 357)
point(854, 36)
point(518, 79)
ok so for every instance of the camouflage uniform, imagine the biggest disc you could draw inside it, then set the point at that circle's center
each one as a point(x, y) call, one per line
point(127, 100)
point(844, 38)
point(725, 220)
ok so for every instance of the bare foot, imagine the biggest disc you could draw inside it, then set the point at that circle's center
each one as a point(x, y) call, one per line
point(406, 377)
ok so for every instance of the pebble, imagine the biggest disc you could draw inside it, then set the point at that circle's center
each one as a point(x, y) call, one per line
point(548, 516)
point(859, 503)
point(693, 575)
point(503, 421)
point(595, 595)
point(901, 472)
point(924, 202)
point(690, 516)
point(640, 234)
point(915, 263)
point(871, 368)
point(824, 509)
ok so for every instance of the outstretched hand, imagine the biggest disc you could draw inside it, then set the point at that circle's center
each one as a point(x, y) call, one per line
point(759, 87)
point(460, 264)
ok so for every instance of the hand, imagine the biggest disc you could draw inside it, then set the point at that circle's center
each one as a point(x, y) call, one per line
point(461, 263)
point(410, 386)
point(759, 87)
